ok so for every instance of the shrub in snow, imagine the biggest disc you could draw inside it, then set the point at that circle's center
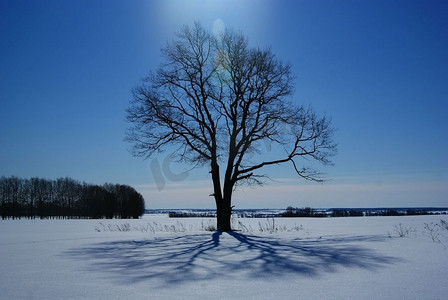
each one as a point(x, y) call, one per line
point(403, 231)
point(435, 231)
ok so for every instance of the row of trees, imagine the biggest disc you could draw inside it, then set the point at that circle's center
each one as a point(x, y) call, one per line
point(347, 213)
point(67, 198)
point(306, 212)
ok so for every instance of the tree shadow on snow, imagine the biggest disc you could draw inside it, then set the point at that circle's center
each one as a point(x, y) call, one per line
point(192, 258)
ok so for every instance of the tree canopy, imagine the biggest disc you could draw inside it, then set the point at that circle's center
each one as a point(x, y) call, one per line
point(217, 100)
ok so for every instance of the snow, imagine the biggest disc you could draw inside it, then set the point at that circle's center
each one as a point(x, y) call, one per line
point(160, 258)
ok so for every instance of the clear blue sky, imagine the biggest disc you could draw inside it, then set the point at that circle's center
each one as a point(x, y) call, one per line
point(378, 68)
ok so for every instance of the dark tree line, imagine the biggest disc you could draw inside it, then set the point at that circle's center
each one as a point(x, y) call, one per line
point(306, 212)
point(67, 198)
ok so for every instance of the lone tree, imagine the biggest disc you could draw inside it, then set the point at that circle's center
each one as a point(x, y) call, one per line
point(219, 101)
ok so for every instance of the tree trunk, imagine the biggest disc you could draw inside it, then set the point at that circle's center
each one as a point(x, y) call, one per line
point(223, 216)
point(224, 210)
point(223, 199)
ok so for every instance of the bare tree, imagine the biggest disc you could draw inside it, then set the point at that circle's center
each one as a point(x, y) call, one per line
point(218, 100)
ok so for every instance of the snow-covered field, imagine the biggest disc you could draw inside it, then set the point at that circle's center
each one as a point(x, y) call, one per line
point(161, 258)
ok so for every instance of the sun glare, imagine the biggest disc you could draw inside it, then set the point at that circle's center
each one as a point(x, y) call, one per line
point(213, 14)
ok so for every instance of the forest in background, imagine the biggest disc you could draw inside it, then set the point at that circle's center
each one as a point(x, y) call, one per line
point(67, 198)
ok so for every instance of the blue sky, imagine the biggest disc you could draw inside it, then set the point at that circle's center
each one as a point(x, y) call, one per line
point(378, 68)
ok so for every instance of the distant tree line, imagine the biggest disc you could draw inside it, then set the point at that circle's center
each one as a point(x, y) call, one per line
point(182, 214)
point(306, 212)
point(382, 212)
point(67, 198)
point(347, 213)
